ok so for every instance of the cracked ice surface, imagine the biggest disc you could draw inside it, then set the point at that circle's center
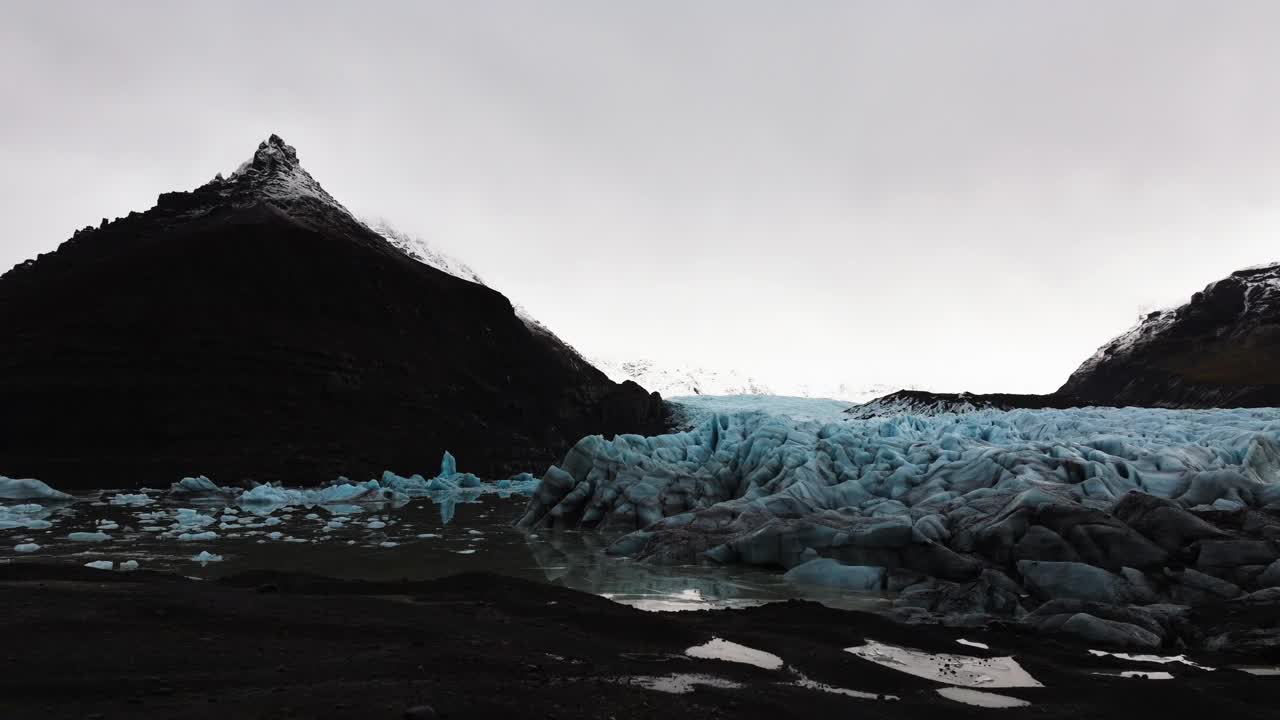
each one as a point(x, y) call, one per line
point(765, 489)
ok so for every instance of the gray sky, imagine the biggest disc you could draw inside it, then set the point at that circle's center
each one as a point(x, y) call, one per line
point(960, 195)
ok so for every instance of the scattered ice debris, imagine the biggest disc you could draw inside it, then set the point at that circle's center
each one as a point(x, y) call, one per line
point(1159, 659)
point(101, 565)
point(719, 649)
point(971, 643)
point(475, 532)
point(205, 557)
point(426, 536)
point(275, 535)
point(680, 683)
point(198, 537)
point(27, 515)
point(272, 521)
point(26, 547)
point(311, 516)
point(189, 518)
point(128, 566)
point(131, 499)
point(28, 489)
point(468, 551)
point(108, 525)
point(946, 668)
point(375, 524)
point(806, 683)
point(388, 544)
point(88, 537)
point(981, 699)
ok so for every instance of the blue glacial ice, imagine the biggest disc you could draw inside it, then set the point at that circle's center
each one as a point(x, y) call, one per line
point(390, 489)
point(949, 511)
point(28, 489)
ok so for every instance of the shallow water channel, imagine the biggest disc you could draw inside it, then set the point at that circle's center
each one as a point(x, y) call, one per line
point(427, 538)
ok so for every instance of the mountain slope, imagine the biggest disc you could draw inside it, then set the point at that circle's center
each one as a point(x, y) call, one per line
point(253, 328)
point(1220, 349)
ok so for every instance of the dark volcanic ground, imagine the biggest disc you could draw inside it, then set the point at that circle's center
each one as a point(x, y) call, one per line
point(81, 643)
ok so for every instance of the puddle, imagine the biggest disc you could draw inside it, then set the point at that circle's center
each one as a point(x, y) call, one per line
point(680, 683)
point(1260, 671)
point(1140, 674)
point(1160, 659)
point(946, 668)
point(981, 699)
point(808, 684)
point(719, 649)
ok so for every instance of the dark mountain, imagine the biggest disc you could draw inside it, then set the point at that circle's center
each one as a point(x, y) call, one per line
point(1221, 349)
point(253, 328)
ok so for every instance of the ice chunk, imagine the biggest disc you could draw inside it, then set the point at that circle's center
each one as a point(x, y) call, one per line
point(198, 537)
point(128, 566)
point(132, 499)
point(88, 537)
point(101, 565)
point(205, 557)
point(831, 573)
point(28, 489)
point(199, 485)
point(26, 548)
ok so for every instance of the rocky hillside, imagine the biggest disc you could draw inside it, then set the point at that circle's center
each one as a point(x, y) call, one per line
point(253, 328)
point(1221, 349)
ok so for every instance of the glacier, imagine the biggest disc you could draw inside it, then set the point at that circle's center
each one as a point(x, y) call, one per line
point(986, 512)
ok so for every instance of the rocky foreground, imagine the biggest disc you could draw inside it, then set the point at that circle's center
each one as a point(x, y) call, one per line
point(81, 643)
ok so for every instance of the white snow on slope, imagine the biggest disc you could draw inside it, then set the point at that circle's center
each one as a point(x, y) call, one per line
point(422, 251)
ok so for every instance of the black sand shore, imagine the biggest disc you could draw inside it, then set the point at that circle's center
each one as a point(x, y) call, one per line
point(81, 643)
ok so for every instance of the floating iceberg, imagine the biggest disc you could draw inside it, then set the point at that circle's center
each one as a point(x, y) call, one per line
point(132, 499)
point(205, 557)
point(199, 485)
point(28, 489)
point(88, 537)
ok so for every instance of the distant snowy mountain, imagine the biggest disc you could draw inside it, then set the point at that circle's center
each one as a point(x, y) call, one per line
point(688, 380)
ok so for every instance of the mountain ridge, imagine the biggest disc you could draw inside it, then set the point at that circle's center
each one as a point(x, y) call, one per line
point(253, 328)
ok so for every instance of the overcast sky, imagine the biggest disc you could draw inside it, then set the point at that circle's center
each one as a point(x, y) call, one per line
point(958, 195)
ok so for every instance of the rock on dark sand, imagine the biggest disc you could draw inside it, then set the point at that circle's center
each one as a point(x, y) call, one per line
point(80, 642)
